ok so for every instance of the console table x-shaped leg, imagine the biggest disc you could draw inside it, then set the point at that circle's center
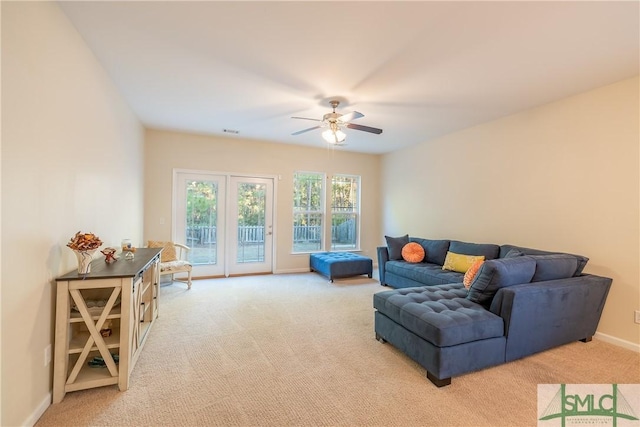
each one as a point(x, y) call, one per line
point(94, 333)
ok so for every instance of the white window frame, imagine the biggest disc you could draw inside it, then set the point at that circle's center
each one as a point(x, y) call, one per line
point(356, 213)
point(322, 211)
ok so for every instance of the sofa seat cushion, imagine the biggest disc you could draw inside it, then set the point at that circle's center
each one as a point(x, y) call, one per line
point(423, 272)
point(177, 265)
point(439, 314)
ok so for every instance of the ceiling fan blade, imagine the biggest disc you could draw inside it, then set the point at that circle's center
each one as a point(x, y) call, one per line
point(345, 118)
point(305, 130)
point(306, 118)
point(364, 128)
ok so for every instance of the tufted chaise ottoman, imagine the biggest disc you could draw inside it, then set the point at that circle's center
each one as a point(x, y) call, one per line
point(340, 264)
point(438, 327)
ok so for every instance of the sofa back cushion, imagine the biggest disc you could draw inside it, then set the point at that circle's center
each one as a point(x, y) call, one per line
point(581, 260)
point(435, 250)
point(500, 273)
point(554, 266)
point(488, 250)
point(513, 253)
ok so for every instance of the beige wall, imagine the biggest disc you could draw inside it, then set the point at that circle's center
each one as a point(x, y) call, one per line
point(165, 151)
point(562, 177)
point(71, 160)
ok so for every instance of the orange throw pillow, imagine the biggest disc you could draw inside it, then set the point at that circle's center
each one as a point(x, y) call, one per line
point(471, 273)
point(413, 252)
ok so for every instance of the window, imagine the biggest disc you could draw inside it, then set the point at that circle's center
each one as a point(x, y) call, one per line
point(345, 212)
point(308, 211)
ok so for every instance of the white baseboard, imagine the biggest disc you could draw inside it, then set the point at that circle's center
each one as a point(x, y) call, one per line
point(35, 416)
point(292, 270)
point(307, 270)
point(617, 341)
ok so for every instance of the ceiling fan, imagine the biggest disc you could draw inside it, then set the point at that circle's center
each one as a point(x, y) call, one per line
point(334, 122)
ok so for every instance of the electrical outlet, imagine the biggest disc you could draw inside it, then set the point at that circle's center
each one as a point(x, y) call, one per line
point(637, 316)
point(47, 355)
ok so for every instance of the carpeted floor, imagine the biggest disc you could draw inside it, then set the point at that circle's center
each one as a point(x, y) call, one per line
point(295, 349)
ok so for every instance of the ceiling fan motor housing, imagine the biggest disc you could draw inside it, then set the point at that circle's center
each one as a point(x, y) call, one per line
point(334, 121)
point(331, 117)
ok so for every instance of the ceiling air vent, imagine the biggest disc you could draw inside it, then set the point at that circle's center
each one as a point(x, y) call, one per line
point(233, 131)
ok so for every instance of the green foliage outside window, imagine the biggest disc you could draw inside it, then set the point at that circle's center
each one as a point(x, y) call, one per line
point(201, 203)
point(308, 190)
point(344, 211)
point(251, 204)
point(309, 211)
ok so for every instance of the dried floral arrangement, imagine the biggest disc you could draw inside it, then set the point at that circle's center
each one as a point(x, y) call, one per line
point(84, 242)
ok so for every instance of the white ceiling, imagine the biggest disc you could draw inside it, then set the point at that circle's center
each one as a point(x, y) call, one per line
point(418, 70)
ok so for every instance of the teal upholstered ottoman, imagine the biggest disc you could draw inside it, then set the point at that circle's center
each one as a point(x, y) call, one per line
point(335, 265)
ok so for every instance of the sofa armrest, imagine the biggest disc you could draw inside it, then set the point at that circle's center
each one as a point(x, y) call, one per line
point(383, 257)
point(543, 315)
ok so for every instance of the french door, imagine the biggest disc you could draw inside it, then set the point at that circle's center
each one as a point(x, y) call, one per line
point(251, 225)
point(226, 220)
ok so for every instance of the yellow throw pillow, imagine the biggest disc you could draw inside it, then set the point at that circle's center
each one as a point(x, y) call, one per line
point(168, 252)
point(460, 262)
point(471, 273)
point(413, 252)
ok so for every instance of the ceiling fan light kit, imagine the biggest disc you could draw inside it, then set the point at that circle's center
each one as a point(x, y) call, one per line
point(334, 137)
point(334, 121)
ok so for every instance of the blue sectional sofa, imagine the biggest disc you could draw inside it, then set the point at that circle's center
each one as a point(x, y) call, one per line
point(522, 301)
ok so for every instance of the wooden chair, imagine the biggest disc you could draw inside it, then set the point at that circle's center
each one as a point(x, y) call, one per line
point(179, 265)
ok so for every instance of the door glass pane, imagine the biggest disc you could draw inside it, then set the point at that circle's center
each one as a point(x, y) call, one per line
point(251, 222)
point(202, 219)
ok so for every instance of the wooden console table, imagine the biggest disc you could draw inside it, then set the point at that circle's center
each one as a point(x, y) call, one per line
point(105, 314)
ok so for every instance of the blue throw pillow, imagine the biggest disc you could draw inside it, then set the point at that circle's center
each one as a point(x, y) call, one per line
point(395, 245)
point(500, 273)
